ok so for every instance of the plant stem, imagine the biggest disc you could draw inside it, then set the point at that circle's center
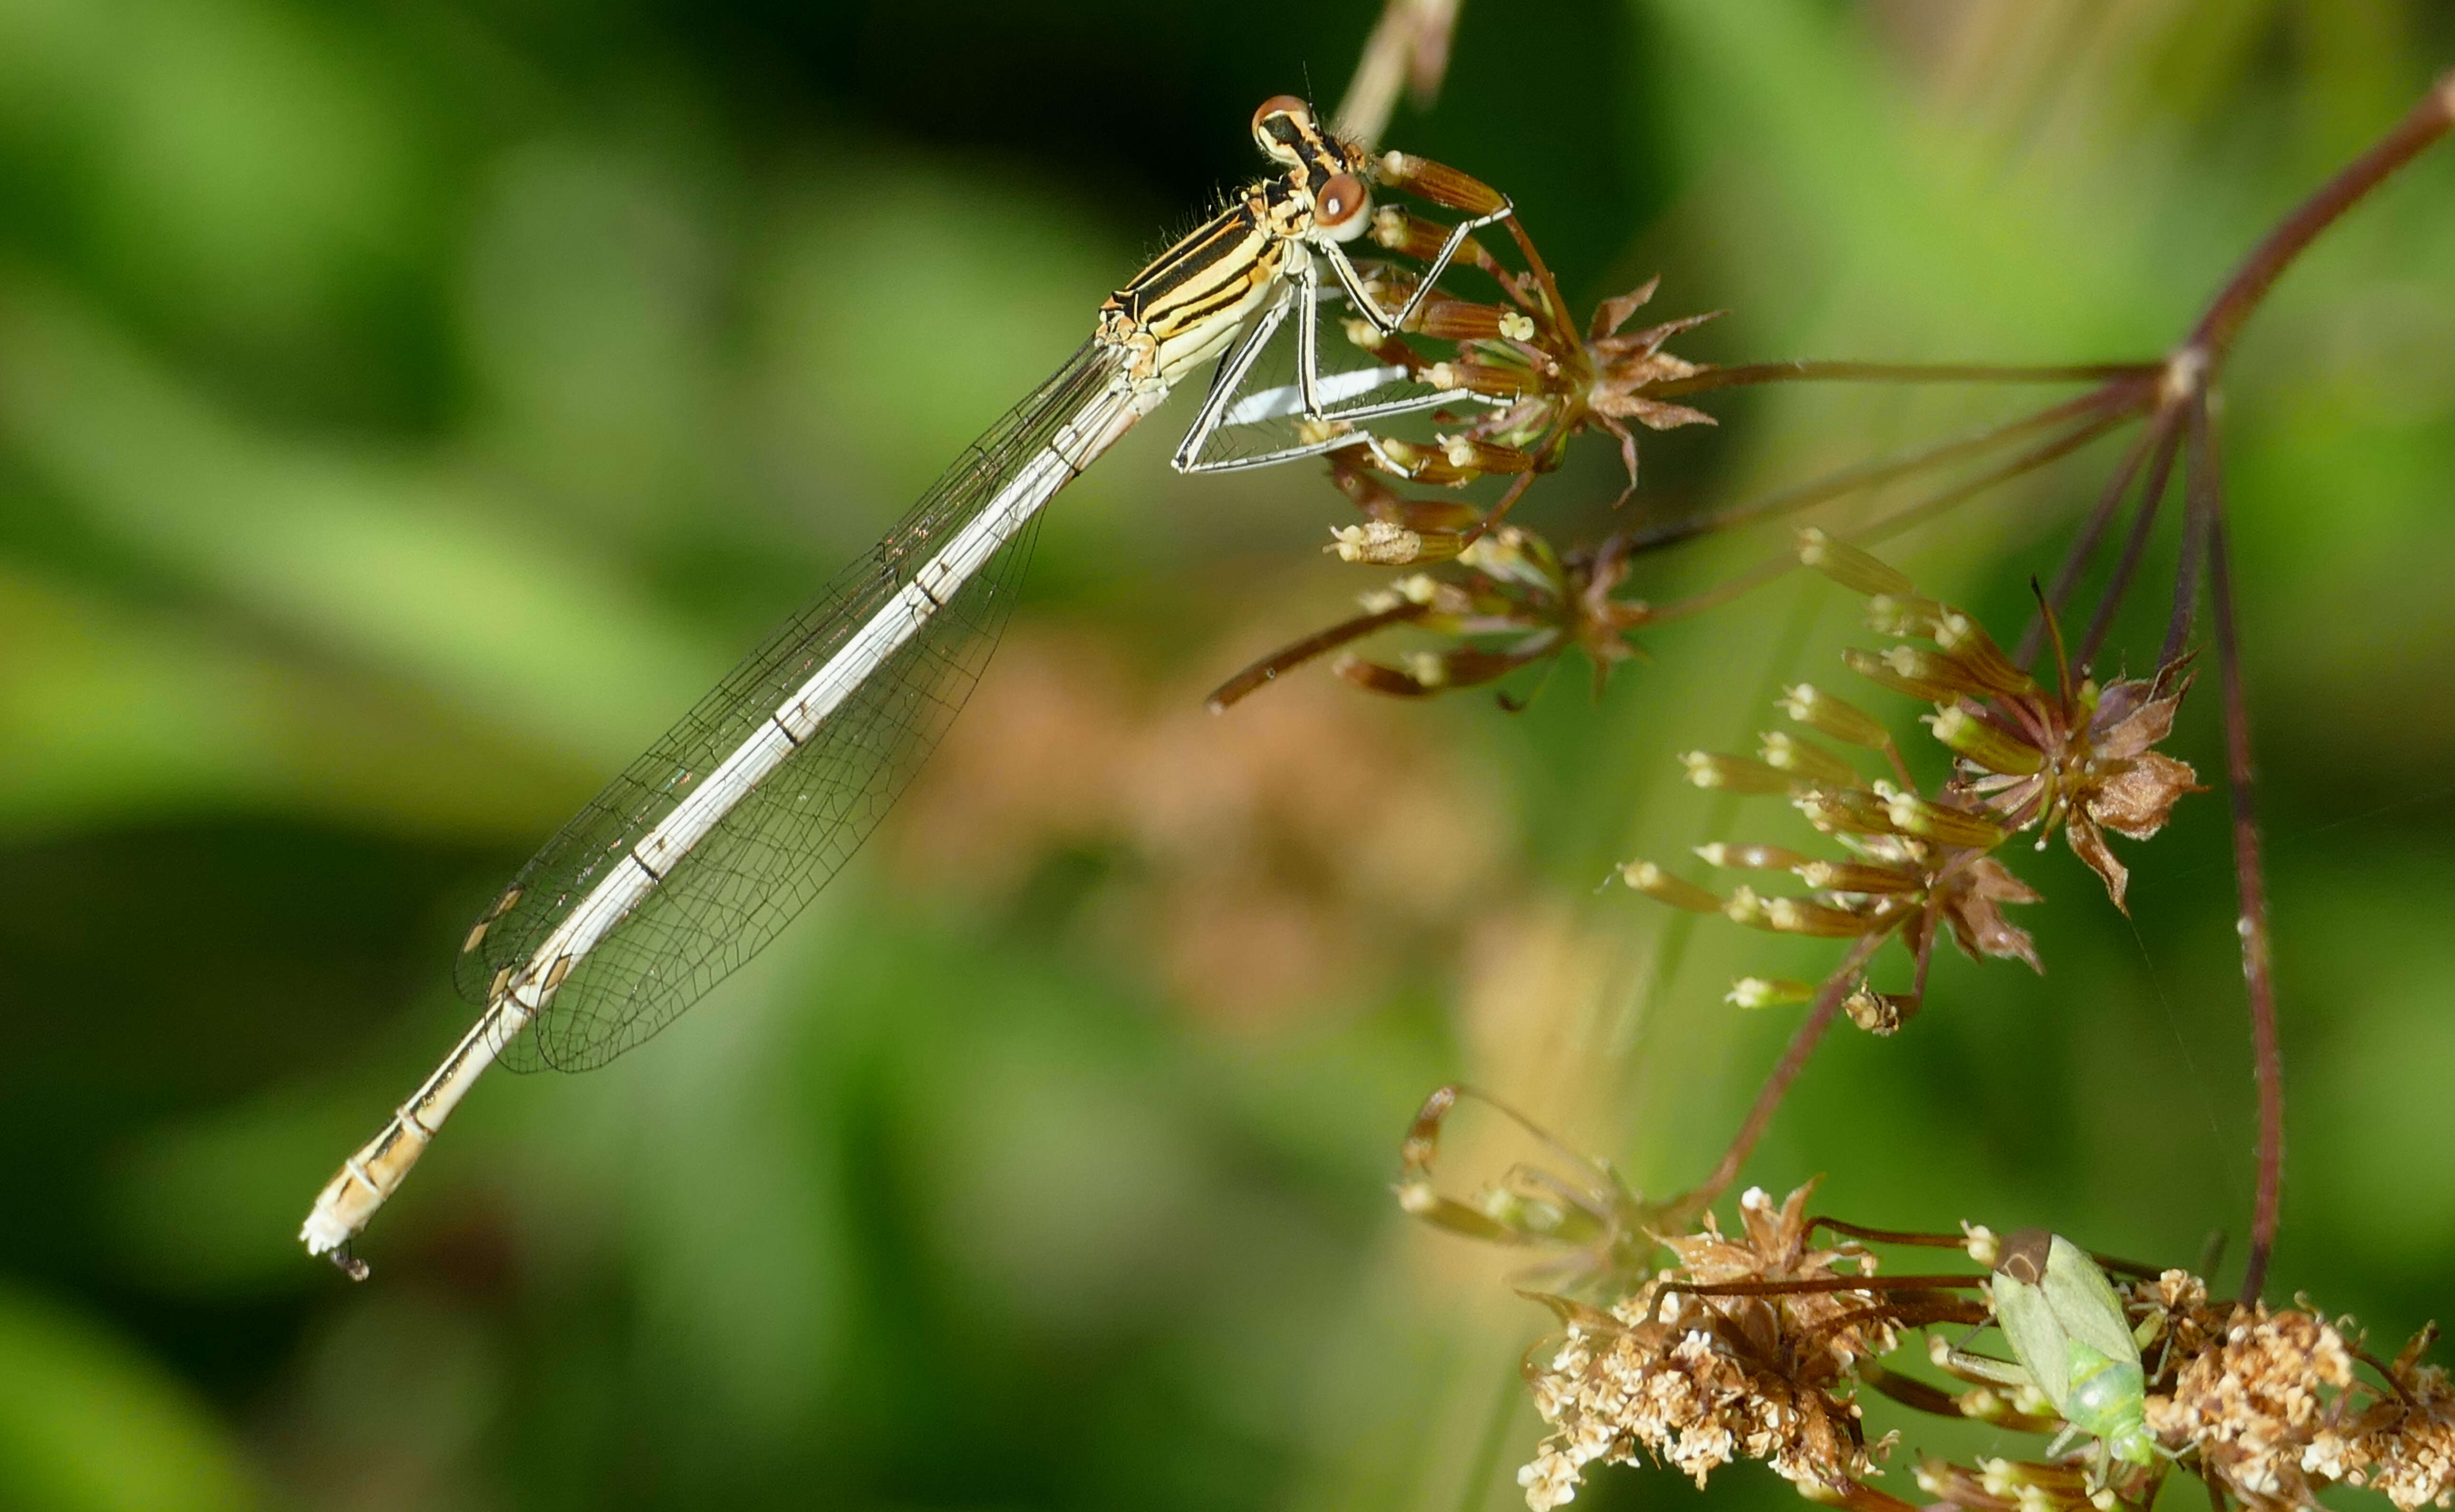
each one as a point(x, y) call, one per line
point(1289, 658)
point(2423, 125)
point(1892, 524)
point(2199, 502)
point(2083, 546)
point(2117, 397)
point(2256, 962)
point(1803, 1042)
point(2135, 547)
point(1810, 371)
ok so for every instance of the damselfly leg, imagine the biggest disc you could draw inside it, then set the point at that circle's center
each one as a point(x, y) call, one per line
point(1314, 395)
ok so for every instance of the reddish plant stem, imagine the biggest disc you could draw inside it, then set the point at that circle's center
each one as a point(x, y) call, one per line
point(1810, 371)
point(1499, 511)
point(1914, 515)
point(2083, 546)
point(2200, 495)
point(2423, 125)
point(1803, 1042)
point(1321, 642)
point(2251, 878)
point(1892, 524)
point(2135, 547)
point(2210, 343)
point(2115, 398)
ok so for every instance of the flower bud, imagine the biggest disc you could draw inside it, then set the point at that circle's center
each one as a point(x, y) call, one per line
point(1482, 457)
point(1980, 741)
point(1379, 543)
point(1969, 644)
point(1407, 235)
point(1878, 1012)
point(1418, 464)
point(1807, 760)
point(1664, 888)
point(1849, 566)
point(1732, 774)
point(1904, 615)
point(1800, 915)
point(1492, 380)
point(1911, 815)
point(1745, 907)
point(1438, 183)
point(1750, 857)
point(1768, 992)
point(1845, 811)
point(1936, 669)
point(1463, 320)
point(1838, 718)
point(1877, 670)
point(1857, 876)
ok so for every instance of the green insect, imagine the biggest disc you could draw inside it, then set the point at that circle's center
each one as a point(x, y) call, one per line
point(2074, 1343)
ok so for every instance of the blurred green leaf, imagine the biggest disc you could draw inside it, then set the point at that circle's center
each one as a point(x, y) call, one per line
point(90, 1424)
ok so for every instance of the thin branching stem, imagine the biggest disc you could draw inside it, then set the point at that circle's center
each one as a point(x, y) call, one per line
point(1892, 524)
point(2084, 546)
point(2250, 878)
point(1269, 668)
point(2134, 546)
point(2199, 518)
point(2422, 125)
point(2118, 397)
point(1803, 1042)
point(1752, 373)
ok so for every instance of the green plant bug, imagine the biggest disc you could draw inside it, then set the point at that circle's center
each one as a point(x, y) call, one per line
point(2068, 1328)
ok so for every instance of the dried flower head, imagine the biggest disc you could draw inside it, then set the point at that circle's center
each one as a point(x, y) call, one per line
point(1517, 603)
point(2024, 758)
point(2253, 1403)
point(1540, 380)
point(1911, 867)
point(2402, 1443)
point(2028, 756)
point(1701, 1381)
point(1754, 1346)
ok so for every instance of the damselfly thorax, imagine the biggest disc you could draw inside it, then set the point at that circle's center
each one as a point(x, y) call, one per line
point(1189, 303)
point(691, 860)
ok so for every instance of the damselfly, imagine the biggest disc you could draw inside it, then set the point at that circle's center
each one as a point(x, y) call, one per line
point(694, 858)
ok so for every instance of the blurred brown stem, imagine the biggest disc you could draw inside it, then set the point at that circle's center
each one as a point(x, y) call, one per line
point(1268, 669)
point(2117, 397)
point(2250, 878)
point(1752, 373)
point(2422, 125)
point(2083, 546)
point(2134, 546)
point(1892, 524)
point(1803, 1042)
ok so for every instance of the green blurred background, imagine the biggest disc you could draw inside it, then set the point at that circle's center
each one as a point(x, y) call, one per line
point(407, 409)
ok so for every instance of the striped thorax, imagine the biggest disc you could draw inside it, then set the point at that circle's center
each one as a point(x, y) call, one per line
point(1185, 307)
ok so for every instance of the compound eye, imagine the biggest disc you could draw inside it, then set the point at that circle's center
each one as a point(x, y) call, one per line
point(1339, 203)
point(1279, 124)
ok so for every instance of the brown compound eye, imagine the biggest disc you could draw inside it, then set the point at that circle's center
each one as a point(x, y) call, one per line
point(1278, 124)
point(1339, 203)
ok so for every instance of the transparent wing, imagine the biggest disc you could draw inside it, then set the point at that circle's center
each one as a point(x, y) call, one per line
point(772, 852)
point(1265, 415)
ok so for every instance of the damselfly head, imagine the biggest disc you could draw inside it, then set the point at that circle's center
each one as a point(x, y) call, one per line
point(1282, 126)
